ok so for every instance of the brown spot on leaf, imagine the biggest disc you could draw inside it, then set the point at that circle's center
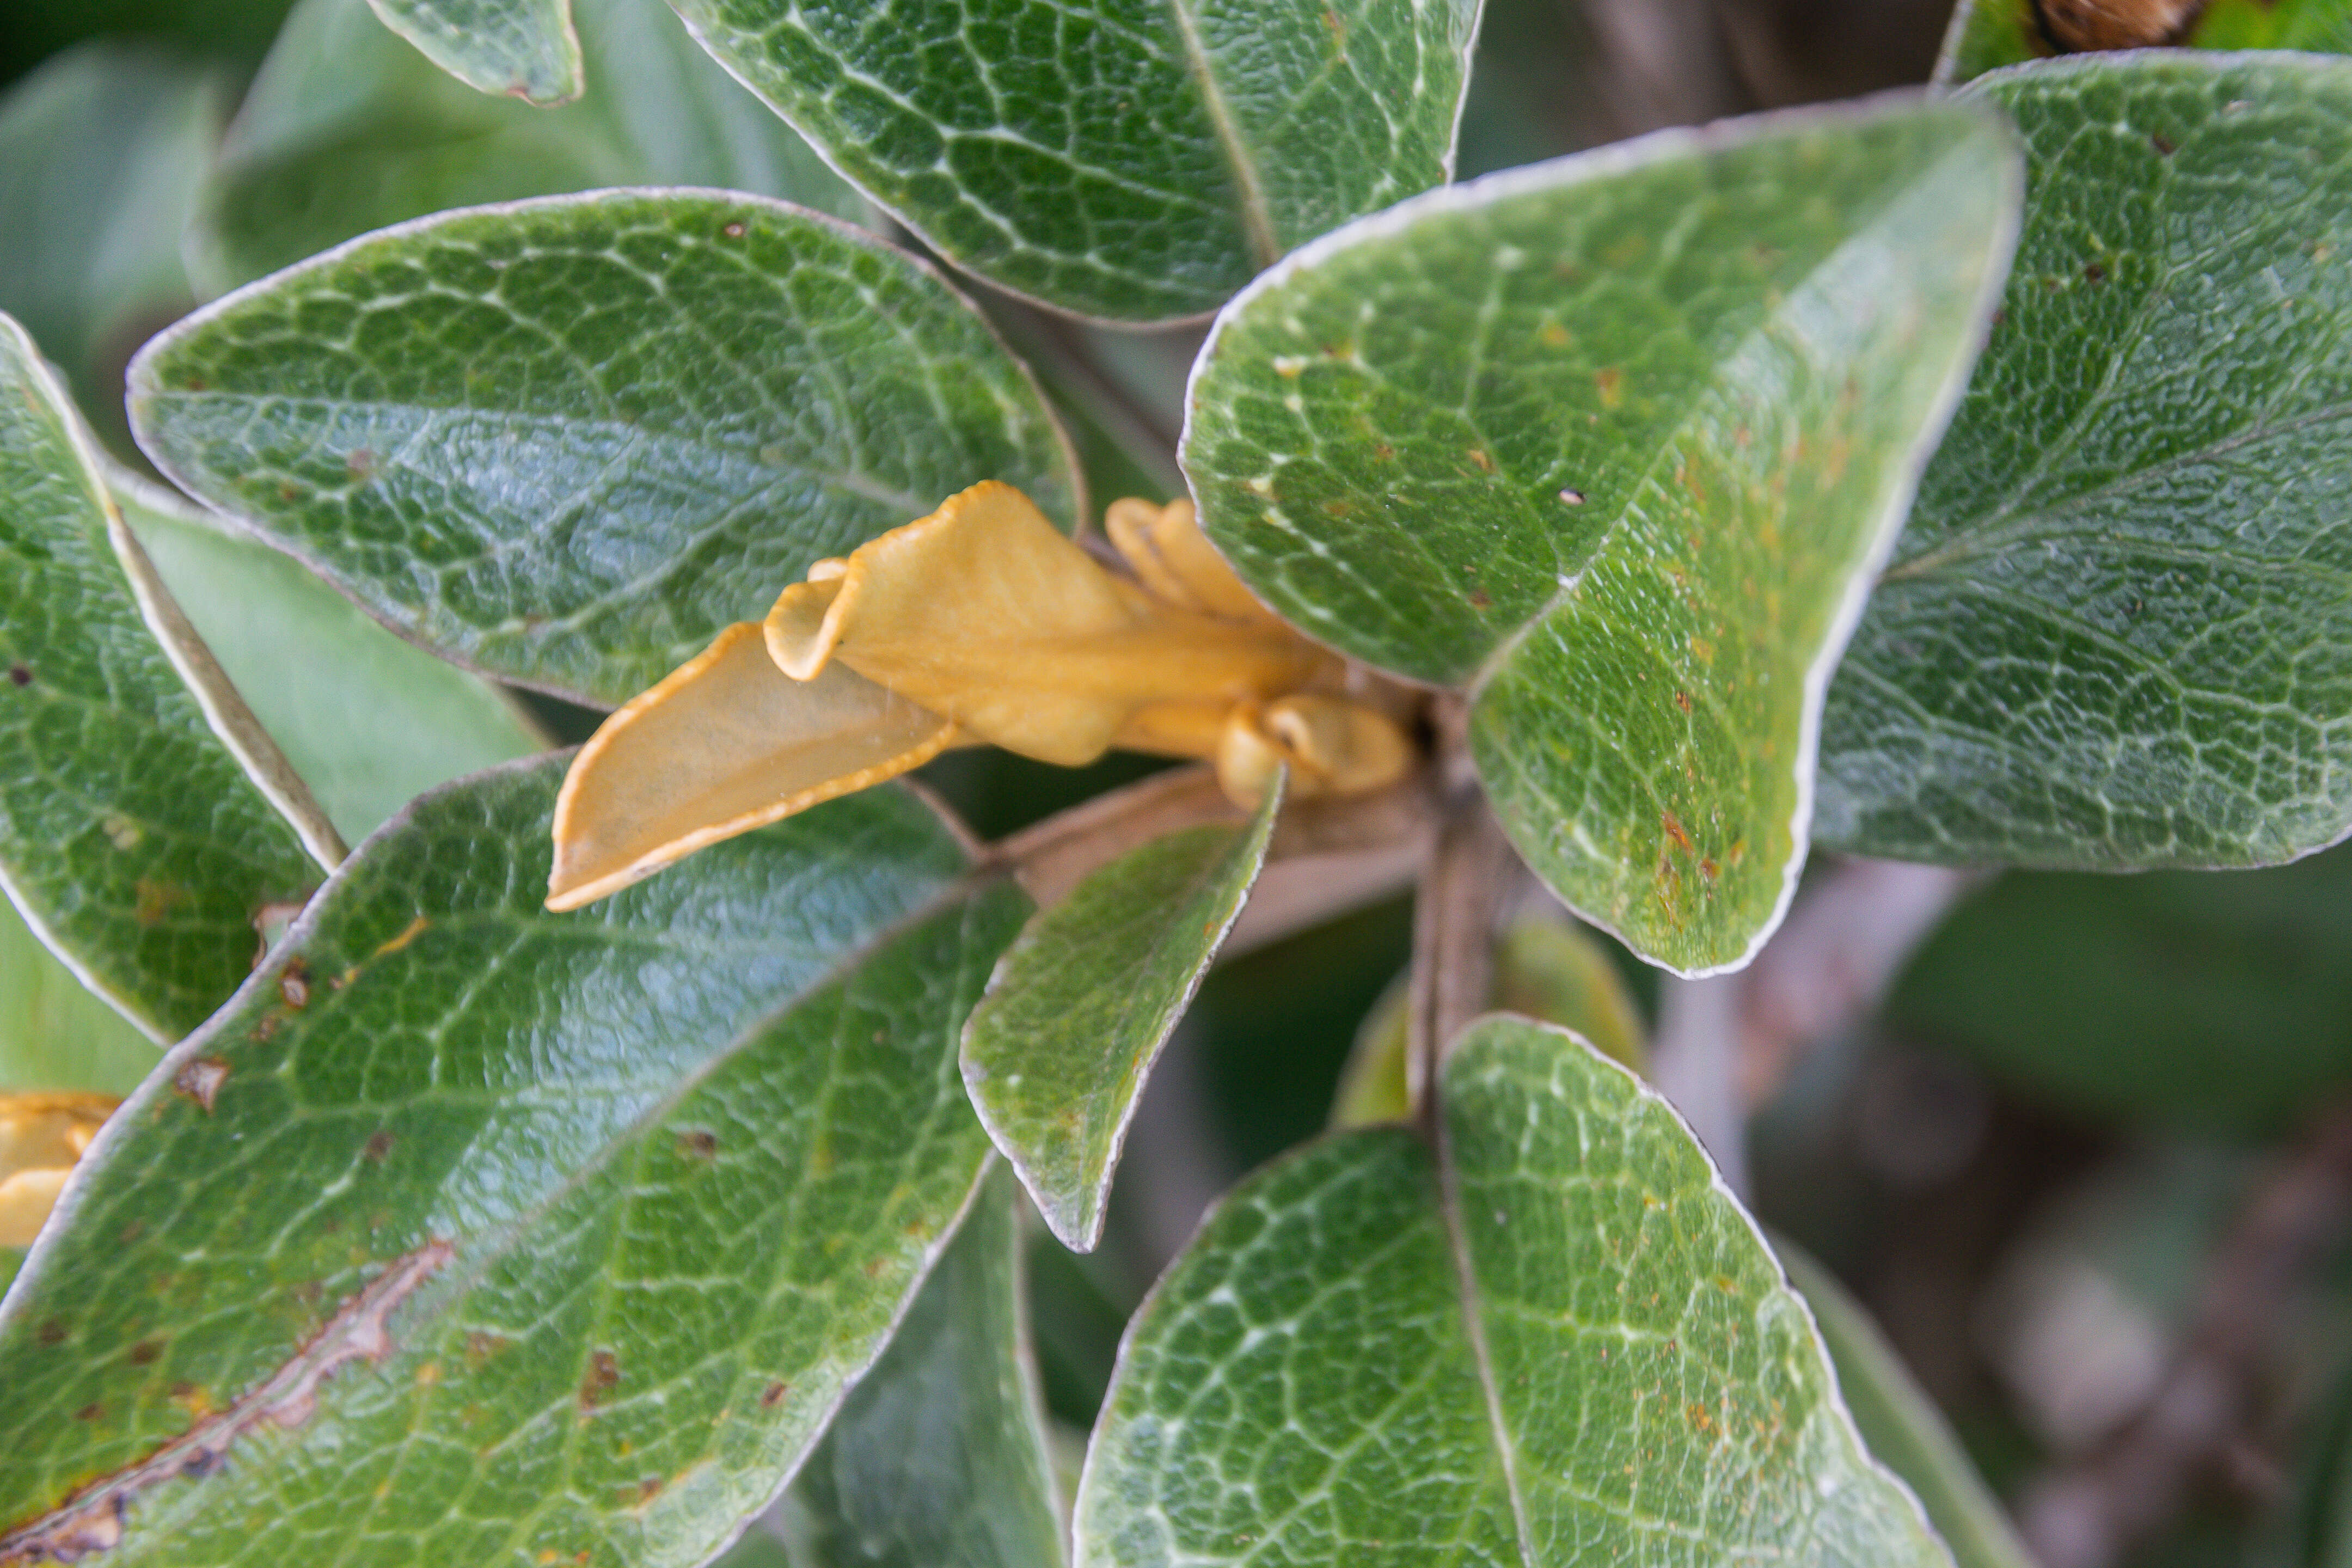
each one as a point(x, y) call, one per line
point(145, 1352)
point(1480, 460)
point(92, 1518)
point(1610, 383)
point(92, 1412)
point(2093, 272)
point(733, 231)
point(153, 900)
point(1672, 825)
point(773, 1395)
point(18, 674)
point(379, 1144)
point(1683, 701)
point(604, 1371)
point(201, 1079)
point(294, 983)
point(2162, 143)
point(699, 1143)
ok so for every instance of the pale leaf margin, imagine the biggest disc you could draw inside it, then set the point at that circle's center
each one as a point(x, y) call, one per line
point(434, 39)
point(1625, 157)
point(1199, 70)
point(436, 1292)
point(1086, 1552)
point(140, 383)
point(225, 714)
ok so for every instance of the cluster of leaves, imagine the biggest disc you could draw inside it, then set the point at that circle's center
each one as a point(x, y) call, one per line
point(1949, 477)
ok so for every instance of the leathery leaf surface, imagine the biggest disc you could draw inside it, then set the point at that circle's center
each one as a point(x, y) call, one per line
point(1058, 1053)
point(2115, 634)
point(520, 49)
point(1127, 159)
point(132, 839)
point(1567, 1345)
point(939, 1456)
point(1617, 441)
point(471, 1232)
point(1986, 35)
point(566, 441)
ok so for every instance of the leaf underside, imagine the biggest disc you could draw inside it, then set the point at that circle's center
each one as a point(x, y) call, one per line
point(521, 48)
point(2117, 632)
point(489, 1231)
point(1133, 160)
point(1572, 1346)
point(348, 130)
point(1616, 441)
point(568, 441)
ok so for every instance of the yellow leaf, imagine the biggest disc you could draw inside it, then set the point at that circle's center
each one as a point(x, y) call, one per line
point(984, 613)
point(727, 743)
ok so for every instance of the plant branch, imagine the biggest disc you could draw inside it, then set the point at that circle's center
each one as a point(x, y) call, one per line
point(1469, 882)
point(2087, 1515)
point(1327, 855)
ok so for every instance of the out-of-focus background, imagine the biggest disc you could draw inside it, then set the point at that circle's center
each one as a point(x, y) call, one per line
point(2031, 1162)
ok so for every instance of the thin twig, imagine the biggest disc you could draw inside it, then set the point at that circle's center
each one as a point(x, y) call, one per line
point(1335, 841)
point(2089, 1514)
point(1470, 882)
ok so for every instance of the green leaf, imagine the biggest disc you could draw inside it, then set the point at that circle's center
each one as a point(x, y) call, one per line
point(939, 1456)
point(1058, 1053)
point(1617, 441)
point(521, 48)
point(131, 838)
point(348, 130)
point(54, 1034)
point(567, 441)
point(1902, 1426)
point(1134, 161)
point(2207, 1002)
point(2110, 637)
point(493, 1233)
point(103, 151)
point(1569, 1346)
point(1987, 34)
point(368, 721)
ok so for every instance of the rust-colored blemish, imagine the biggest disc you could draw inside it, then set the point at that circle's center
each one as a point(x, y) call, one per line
point(1673, 827)
point(151, 900)
point(146, 1353)
point(201, 1080)
point(409, 933)
point(604, 1371)
point(1683, 701)
point(699, 1143)
point(1480, 460)
point(379, 1144)
point(91, 1520)
point(773, 1395)
point(294, 983)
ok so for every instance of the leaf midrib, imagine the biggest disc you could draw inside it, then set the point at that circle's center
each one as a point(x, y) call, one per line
point(1257, 219)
